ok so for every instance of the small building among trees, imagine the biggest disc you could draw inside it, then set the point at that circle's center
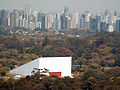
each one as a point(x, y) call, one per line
point(60, 66)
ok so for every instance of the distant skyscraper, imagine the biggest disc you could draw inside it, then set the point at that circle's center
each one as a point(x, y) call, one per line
point(110, 28)
point(38, 25)
point(82, 23)
point(23, 22)
point(57, 22)
point(114, 19)
point(12, 19)
point(35, 14)
point(107, 12)
point(8, 21)
point(20, 21)
point(87, 16)
point(27, 14)
point(17, 18)
point(69, 25)
point(3, 17)
point(75, 18)
point(46, 21)
point(64, 18)
point(32, 25)
point(64, 21)
point(39, 19)
point(118, 25)
point(93, 24)
point(102, 26)
point(43, 22)
point(51, 20)
point(66, 10)
point(85, 19)
point(98, 17)
point(116, 13)
point(110, 19)
point(27, 10)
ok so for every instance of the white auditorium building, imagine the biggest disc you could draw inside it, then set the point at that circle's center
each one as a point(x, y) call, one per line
point(60, 66)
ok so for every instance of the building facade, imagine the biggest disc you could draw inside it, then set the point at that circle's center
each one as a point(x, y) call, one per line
point(60, 66)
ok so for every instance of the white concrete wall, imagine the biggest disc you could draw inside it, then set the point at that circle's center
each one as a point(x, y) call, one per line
point(57, 64)
point(53, 64)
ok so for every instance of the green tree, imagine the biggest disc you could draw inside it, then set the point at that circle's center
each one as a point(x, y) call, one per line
point(4, 70)
point(45, 42)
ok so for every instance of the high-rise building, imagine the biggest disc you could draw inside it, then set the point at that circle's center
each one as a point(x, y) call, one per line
point(20, 21)
point(116, 13)
point(17, 18)
point(46, 21)
point(85, 20)
point(63, 21)
point(69, 23)
point(27, 14)
point(102, 26)
point(82, 23)
point(75, 18)
point(93, 24)
point(66, 10)
point(43, 22)
point(87, 16)
point(64, 18)
point(23, 22)
point(40, 14)
point(14, 18)
point(27, 10)
point(98, 17)
point(32, 25)
point(38, 25)
point(57, 22)
point(35, 14)
point(118, 25)
point(107, 12)
point(3, 17)
point(110, 28)
point(51, 18)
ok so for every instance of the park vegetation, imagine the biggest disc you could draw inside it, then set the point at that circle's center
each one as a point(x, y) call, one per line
point(97, 58)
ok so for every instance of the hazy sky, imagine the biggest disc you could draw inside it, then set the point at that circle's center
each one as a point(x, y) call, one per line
point(81, 5)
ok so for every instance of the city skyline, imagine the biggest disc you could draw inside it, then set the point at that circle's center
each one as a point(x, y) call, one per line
point(58, 5)
point(60, 21)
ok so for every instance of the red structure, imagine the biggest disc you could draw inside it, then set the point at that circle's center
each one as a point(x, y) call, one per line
point(55, 73)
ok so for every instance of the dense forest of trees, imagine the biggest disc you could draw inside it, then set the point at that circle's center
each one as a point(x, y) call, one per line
point(93, 54)
point(42, 82)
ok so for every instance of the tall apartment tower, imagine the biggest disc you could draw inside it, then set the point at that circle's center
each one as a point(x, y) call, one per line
point(66, 9)
point(118, 25)
point(64, 18)
point(93, 24)
point(3, 17)
point(27, 15)
point(57, 22)
point(75, 18)
point(14, 19)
